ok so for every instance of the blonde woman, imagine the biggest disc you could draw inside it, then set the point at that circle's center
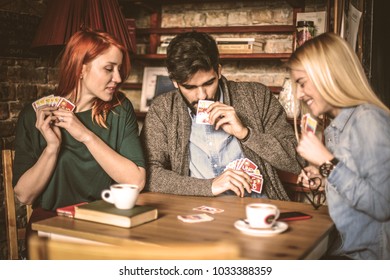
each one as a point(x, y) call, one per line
point(356, 159)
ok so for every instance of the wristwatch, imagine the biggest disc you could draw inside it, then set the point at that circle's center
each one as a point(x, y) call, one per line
point(328, 166)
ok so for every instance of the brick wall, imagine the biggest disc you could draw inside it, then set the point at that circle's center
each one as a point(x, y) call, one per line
point(22, 81)
point(24, 76)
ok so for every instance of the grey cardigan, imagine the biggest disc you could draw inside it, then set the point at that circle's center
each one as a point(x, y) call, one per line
point(167, 128)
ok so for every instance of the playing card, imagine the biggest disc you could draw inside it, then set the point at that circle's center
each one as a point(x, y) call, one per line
point(303, 122)
point(311, 124)
point(41, 102)
point(257, 183)
point(208, 209)
point(202, 117)
point(197, 218)
point(66, 104)
point(247, 165)
point(48, 99)
point(308, 123)
point(55, 100)
point(231, 165)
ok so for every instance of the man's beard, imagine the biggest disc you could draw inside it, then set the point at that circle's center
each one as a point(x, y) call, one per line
point(193, 104)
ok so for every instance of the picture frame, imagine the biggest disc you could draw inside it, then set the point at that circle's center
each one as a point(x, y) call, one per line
point(155, 82)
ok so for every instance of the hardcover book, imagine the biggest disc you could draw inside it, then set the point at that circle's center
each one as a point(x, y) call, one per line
point(68, 211)
point(106, 213)
point(239, 45)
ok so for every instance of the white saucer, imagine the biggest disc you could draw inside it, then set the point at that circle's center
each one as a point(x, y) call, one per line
point(245, 228)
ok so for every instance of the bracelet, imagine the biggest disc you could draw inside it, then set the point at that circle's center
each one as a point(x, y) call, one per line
point(247, 136)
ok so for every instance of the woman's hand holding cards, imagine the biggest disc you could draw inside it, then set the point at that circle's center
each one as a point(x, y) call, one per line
point(50, 132)
point(72, 124)
point(312, 149)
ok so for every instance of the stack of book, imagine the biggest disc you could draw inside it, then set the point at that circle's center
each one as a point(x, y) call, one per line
point(239, 45)
point(106, 213)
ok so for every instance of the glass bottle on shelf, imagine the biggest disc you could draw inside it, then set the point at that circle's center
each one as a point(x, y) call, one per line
point(286, 98)
point(305, 31)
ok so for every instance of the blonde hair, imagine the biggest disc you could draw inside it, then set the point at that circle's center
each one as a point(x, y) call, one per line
point(335, 71)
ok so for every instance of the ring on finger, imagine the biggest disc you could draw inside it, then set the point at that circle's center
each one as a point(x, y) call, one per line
point(61, 119)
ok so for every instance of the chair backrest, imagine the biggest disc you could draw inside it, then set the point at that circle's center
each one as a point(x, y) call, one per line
point(43, 248)
point(13, 232)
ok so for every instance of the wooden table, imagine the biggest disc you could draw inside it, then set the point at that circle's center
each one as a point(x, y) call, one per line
point(305, 239)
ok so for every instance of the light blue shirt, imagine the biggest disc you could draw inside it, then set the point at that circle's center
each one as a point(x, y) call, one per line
point(358, 189)
point(211, 150)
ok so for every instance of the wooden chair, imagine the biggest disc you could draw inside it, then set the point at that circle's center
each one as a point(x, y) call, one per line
point(43, 248)
point(294, 190)
point(14, 234)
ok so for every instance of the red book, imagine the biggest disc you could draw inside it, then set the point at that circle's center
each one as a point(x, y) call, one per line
point(68, 211)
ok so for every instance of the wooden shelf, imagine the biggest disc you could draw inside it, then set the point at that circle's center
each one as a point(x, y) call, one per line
point(257, 56)
point(152, 4)
point(280, 29)
point(131, 86)
point(155, 31)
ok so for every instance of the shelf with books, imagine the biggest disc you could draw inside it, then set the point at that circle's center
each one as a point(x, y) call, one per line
point(238, 56)
point(157, 35)
point(281, 29)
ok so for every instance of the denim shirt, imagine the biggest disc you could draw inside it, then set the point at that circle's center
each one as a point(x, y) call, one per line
point(358, 189)
point(211, 150)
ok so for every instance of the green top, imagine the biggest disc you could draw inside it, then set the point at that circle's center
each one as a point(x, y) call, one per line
point(77, 176)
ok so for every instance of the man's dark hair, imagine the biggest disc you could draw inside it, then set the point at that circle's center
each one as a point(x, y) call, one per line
point(190, 52)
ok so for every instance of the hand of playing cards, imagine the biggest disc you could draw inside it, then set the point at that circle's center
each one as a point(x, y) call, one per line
point(53, 101)
point(308, 124)
point(251, 169)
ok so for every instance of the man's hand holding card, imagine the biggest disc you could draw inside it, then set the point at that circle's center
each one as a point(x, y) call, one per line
point(251, 169)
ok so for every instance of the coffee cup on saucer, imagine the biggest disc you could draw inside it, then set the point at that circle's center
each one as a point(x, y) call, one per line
point(262, 215)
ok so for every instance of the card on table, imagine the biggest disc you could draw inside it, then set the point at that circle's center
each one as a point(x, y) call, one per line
point(196, 218)
point(208, 209)
point(202, 117)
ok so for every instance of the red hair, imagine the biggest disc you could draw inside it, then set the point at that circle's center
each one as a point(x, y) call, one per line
point(83, 47)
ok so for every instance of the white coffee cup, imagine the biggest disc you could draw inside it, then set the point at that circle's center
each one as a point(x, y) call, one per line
point(123, 196)
point(262, 215)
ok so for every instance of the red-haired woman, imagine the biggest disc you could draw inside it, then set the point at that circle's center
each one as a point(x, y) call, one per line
point(65, 157)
